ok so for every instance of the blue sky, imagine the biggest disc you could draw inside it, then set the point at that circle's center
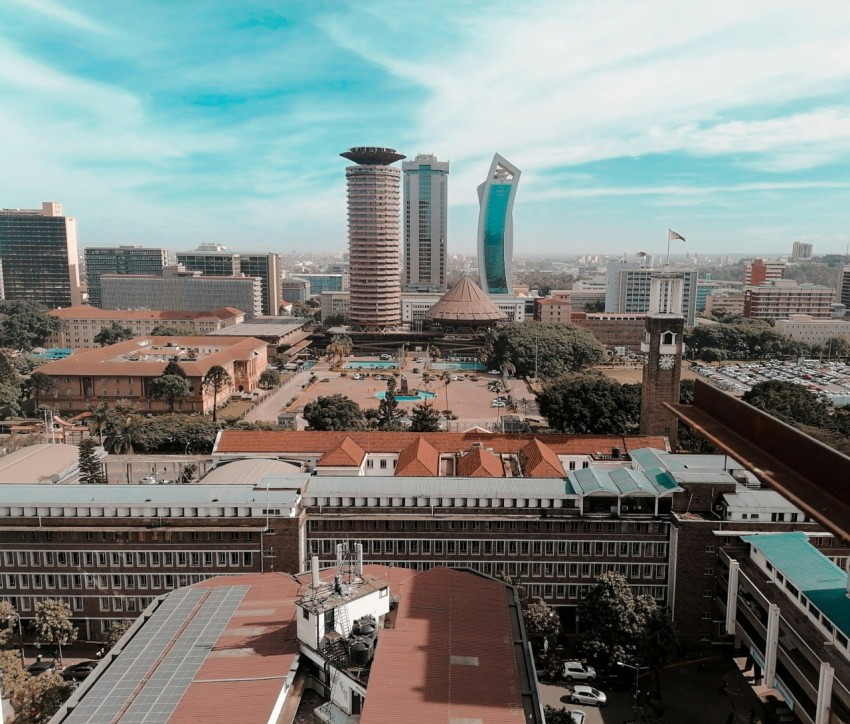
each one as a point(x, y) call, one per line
point(175, 122)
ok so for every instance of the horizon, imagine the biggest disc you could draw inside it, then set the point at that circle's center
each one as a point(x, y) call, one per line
point(224, 124)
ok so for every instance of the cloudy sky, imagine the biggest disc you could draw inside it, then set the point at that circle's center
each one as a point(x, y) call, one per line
point(174, 122)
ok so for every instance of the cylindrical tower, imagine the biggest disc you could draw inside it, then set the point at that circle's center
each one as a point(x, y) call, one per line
point(374, 207)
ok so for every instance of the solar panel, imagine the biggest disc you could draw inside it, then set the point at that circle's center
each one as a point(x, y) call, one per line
point(146, 682)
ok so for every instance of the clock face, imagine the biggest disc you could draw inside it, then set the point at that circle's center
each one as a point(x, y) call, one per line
point(666, 361)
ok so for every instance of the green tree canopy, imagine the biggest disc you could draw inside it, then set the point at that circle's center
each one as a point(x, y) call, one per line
point(117, 630)
point(217, 379)
point(174, 368)
point(334, 412)
point(590, 403)
point(541, 622)
point(388, 415)
point(737, 339)
point(10, 397)
point(424, 418)
point(52, 624)
point(113, 334)
point(24, 325)
point(37, 698)
point(556, 348)
point(171, 388)
point(39, 384)
point(91, 471)
point(789, 402)
point(170, 330)
point(269, 379)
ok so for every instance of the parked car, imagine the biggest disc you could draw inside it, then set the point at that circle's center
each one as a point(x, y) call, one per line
point(39, 667)
point(325, 379)
point(78, 672)
point(358, 376)
point(577, 716)
point(583, 694)
point(386, 357)
point(498, 403)
point(577, 671)
point(416, 370)
point(149, 480)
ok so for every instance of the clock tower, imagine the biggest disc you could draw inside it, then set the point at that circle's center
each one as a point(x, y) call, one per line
point(662, 347)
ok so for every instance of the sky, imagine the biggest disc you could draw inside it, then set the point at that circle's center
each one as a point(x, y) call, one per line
point(172, 123)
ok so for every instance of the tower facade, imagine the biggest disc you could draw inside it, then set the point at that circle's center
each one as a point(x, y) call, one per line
point(662, 347)
point(425, 223)
point(496, 227)
point(38, 252)
point(844, 285)
point(374, 206)
point(120, 260)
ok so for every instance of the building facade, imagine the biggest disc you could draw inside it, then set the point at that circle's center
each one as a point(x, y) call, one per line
point(82, 324)
point(801, 251)
point(374, 206)
point(326, 283)
point(614, 330)
point(425, 199)
point(295, 289)
point(781, 298)
point(759, 271)
point(496, 227)
point(805, 328)
point(628, 289)
point(121, 260)
point(335, 304)
point(38, 256)
point(844, 286)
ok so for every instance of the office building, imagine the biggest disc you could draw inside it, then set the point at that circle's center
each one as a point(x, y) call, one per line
point(759, 271)
point(619, 332)
point(82, 324)
point(124, 371)
point(319, 283)
point(801, 251)
point(628, 289)
point(216, 260)
point(38, 256)
point(496, 227)
point(782, 298)
point(726, 300)
point(182, 290)
point(295, 289)
point(374, 205)
point(805, 328)
point(844, 286)
point(335, 304)
point(121, 260)
point(425, 223)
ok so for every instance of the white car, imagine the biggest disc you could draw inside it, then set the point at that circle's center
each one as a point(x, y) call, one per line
point(588, 695)
point(357, 377)
point(577, 716)
point(577, 671)
point(149, 480)
point(498, 403)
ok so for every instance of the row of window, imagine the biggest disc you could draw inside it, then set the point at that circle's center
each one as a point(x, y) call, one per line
point(123, 536)
point(99, 582)
point(508, 526)
point(511, 547)
point(128, 559)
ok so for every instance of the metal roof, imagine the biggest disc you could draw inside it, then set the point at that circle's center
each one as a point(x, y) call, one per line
point(44, 463)
point(254, 471)
point(191, 495)
point(354, 486)
point(622, 481)
point(759, 499)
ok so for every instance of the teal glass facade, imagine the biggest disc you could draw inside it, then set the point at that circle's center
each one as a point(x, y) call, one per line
point(494, 239)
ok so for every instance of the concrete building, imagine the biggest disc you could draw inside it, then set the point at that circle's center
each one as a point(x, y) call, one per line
point(583, 297)
point(335, 303)
point(279, 333)
point(760, 271)
point(326, 282)
point(554, 309)
point(844, 286)
point(496, 227)
point(121, 260)
point(628, 288)
point(805, 328)
point(425, 201)
point(727, 300)
point(295, 289)
point(38, 256)
point(82, 324)
point(614, 330)
point(216, 260)
point(801, 251)
point(374, 206)
point(124, 371)
point(780, 299)
point(182, 290)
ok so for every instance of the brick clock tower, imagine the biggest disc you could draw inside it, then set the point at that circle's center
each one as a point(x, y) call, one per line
point(662, 345)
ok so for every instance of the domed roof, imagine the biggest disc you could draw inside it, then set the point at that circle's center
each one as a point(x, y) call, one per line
point(465, 303)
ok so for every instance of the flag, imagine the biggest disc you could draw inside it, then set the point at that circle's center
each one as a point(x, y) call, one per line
point(642, 253)
point(671, 235)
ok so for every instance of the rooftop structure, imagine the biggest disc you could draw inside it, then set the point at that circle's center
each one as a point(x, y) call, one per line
point(46, 463)
point(372, 155)
point(496, 226)
point(425, 223)
point(465, 306)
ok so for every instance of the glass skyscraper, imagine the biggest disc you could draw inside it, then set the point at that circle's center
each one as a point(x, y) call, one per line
point(425, 223)
point(496, 227)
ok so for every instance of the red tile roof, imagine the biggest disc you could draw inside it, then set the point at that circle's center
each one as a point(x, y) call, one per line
point(346, 453)
point(450, 655)
point(86, 311)
point(418, 459)
point(480, 463)
point(540, 461)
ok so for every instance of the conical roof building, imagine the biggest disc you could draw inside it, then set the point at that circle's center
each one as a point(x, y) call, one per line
point(465, 305)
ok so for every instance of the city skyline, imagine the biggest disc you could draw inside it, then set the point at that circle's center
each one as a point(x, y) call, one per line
point(726, 123)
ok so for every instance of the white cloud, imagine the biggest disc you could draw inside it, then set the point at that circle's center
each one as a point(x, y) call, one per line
point(56, 11)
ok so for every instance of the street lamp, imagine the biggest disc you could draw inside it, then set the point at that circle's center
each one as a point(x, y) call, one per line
point(637, 670)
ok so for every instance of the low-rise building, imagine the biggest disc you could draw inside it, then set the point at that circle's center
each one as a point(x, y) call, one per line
point(124, 371)
point(781, 298)
point(730, 301)
point(81, 324)
point(614, 330)
point(805, 328)
point(334, 304)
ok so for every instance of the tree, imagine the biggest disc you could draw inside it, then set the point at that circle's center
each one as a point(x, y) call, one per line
point(117, 630)
point(113, 334)
point(216, 379)
point(52, 624)
point(124, 430)
point(424, 418)
point(340, 346)
point(447, 380)
point(165, 330)
point(188, 473)
point(172, 388)
point(334, 412)
point(388, 412)
point(590, 404)
point(542, 622)
point(37, 698)
point(551, 349)
point(335, 320)
point(838, 347)
point(790, 402)
point(269, 379)
point(10, 397)
point(25, 325)
point(8, 622)
point(174, 368)
point(12, 666)
point(38, 384)
point(302, 309)
point(8, 371)
point(91, 471)
point(99, 419)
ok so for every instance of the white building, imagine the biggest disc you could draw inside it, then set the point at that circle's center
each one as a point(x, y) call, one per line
point(425, 223)
point(809, 330)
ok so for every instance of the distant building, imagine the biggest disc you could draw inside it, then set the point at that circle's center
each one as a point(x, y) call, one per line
point(760, 271)
point(334, 304)
point(121, 260)
point(425, 223)
point(629, 284)
point(82, 324)
point(844, 286)
point(613, 330)
point(124, 371)
point(780, 299)
point(415, 306)
point(295, 289)
point(38, 256)
point(182, 290)
point(554, 309)
point(496, 227)
point(326, 282)
point(216, 260)
point(584, 296)
point(807, 329)
point(801, 251)
point(730, 301)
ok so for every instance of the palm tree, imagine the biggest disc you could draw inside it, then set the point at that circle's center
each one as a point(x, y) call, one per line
point(100, 417)
point(126, 432)
point(446, 378)
point(216, 379)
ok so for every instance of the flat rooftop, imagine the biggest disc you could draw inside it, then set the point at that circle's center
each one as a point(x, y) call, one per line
point(38, 464)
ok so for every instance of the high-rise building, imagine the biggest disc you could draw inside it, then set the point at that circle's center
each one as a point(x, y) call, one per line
point(215, 260)
point(373, 238)
point(120, 260)
point(38, 256)
point(759, 271)
point(628, 289)
point(844, 286)
point(801, 251)
point(496, 227)
point(425, 223)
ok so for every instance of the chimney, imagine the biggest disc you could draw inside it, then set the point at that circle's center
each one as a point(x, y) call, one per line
point(315, 581)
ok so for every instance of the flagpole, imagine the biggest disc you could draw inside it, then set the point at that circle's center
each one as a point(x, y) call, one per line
point(669, 234)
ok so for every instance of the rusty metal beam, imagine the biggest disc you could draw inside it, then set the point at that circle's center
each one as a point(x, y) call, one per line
point(811, 475)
